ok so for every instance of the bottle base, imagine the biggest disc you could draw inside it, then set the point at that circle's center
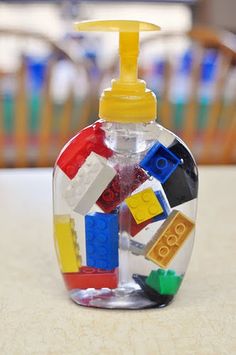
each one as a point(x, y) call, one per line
point(125, 297)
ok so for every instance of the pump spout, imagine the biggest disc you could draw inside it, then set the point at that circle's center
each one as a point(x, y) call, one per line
point(128, 100)
point(129, 51)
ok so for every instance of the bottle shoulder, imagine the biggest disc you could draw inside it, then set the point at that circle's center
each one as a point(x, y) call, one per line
point(118, 139)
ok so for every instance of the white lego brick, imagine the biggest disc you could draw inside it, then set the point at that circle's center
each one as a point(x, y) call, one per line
point(89, 183)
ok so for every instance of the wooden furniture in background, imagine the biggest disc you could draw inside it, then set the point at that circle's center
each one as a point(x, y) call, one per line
point(216, 144)
point(21, 148)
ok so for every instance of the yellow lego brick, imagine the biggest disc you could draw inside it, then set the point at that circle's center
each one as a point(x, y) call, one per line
point(169, 239)
point(66, 244)
point(144, 205)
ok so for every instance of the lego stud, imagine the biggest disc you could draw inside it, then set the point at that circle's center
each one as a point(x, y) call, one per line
point(138, 215)
point(163, 251)
point(180, 228)
point(153, 209)
point(108, 196)
point(147, 195)
point(133, 203)
point(88, 270)
point(171, 239)
point(161, 163)
point(161, 272)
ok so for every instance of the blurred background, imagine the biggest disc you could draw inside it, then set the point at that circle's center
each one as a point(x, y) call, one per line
point(51, 77)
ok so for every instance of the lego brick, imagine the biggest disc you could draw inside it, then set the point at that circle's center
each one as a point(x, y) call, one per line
point(66, 244)
point(169, 238)
point(124, 183)
point(166, 282)
point(89, 277)
point(160, 162)
point(136, 248)
point(182, 186)
point(102, 240)
point(129, 224)
point(88, 184)
point(150, 293)
point(164, 205)
point(90, 139)
point(144, 205)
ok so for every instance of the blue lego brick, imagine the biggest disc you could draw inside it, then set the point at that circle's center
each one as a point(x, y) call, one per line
point(101, 231)
point(160, 162)
point(164, 205)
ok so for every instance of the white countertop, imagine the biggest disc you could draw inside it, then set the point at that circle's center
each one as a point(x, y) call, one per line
point(37, 317)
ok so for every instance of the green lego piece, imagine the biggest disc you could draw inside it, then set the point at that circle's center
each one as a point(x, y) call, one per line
point(164, 282)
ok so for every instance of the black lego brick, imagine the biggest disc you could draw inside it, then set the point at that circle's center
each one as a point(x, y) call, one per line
point(182, 185)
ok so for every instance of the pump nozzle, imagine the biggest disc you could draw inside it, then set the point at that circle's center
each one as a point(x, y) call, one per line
point(127, 100)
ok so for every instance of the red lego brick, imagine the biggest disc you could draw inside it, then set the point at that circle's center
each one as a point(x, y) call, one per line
point(89, 277)
point(90, 139)
point(126, 181)
point(129, 224)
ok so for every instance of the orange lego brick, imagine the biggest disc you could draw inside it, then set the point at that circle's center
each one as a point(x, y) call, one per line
point(144, 205)
point(169, 238)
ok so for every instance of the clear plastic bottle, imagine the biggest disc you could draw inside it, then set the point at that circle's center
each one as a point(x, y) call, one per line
point(125, 196)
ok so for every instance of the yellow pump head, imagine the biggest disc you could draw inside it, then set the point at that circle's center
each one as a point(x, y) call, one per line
point(128, 99)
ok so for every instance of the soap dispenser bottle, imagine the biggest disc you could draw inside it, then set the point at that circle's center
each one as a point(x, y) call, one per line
point(125, 195)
